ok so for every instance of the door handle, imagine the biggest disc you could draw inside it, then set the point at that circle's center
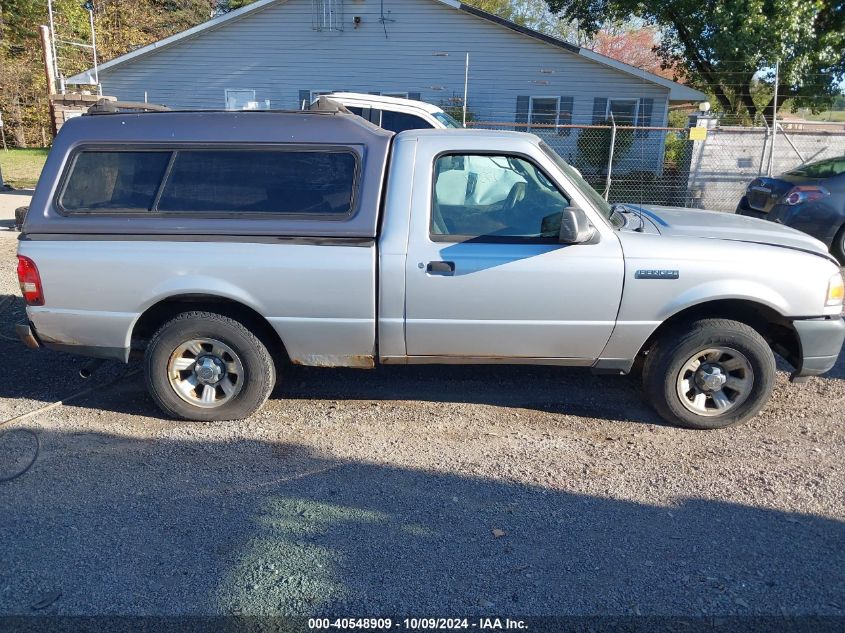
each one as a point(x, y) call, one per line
point(440, 268)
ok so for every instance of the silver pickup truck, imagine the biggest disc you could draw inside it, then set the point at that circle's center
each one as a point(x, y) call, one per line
point(224, 246)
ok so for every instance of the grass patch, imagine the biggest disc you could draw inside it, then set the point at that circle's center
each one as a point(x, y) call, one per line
point(21, 167)
point(835, 116)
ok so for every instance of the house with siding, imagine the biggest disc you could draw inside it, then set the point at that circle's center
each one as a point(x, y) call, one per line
point(280, 53)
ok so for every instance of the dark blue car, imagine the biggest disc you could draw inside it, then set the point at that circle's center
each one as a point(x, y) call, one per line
point(810, 198)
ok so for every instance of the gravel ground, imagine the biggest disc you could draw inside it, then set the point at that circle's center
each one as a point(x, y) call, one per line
point(427, 491)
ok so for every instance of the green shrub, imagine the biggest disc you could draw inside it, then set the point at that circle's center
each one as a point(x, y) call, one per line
point(594, 145)
point(677, 146)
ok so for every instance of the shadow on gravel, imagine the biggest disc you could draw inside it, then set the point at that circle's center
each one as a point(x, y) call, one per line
point(124, 526)
point(561, 390)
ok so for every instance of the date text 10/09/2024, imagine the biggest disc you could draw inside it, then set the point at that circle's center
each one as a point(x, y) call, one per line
point(482, 624)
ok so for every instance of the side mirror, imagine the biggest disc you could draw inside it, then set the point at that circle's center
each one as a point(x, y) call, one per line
point(575, 227)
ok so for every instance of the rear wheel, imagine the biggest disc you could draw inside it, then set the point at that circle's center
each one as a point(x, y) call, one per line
point(709, 375)
point(206, 366)
point(20, 216)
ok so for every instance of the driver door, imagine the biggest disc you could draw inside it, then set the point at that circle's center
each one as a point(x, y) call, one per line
point(487, 277)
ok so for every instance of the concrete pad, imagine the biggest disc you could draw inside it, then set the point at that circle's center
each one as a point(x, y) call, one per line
point(11, 200)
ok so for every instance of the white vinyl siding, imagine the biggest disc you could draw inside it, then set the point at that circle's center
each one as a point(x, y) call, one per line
point(274, 51)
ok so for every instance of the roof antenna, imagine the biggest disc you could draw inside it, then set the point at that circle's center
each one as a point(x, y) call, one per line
point(384, 19)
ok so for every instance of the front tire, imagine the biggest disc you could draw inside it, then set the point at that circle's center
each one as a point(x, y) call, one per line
point(838, 247)
point(709, 375)
point(205, 366)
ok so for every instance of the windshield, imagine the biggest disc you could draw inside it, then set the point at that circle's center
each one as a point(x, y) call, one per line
point(822, 169)
point(583, 186)
point(445, 119)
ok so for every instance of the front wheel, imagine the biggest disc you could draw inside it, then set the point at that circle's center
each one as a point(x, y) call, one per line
point(709, 375)
point(206, 366)
point(837, 249)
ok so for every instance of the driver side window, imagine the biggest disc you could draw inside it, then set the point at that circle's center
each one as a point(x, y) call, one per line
point(493, 198)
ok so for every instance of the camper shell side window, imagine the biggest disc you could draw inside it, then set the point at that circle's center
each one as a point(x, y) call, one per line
point(215, 181)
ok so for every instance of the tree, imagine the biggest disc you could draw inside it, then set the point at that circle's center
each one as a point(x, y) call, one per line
point(633, 44)
point(224, 6)
point(725, 47)
point(630, 42)
point(534, 14)
point(121, 25)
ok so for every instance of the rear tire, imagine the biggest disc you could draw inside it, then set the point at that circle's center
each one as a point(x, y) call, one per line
point(205, 366)
point(710, 374)
point(20, 216)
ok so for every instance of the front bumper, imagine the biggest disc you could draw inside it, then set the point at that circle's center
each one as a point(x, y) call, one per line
point(820, 341)
point(743, 208)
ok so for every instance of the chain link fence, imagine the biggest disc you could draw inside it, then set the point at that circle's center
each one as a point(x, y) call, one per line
point(705, 166)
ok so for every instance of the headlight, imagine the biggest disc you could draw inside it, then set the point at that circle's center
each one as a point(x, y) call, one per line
point(835, 291)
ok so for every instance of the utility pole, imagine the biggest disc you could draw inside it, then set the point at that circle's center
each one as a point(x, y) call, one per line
point(49, 71)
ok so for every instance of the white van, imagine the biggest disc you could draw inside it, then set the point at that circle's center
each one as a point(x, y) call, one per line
point(392, 113)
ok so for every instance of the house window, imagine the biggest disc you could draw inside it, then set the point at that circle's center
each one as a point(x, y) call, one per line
point(543, 111)
point(556, 111)
point(624, 110)
point(313, 94)
point(239, 99)
point(320, 93)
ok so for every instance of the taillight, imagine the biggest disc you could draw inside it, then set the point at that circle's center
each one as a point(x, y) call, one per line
point(30, 282)
point(804, 193)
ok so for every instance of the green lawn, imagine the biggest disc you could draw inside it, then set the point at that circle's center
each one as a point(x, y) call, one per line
point(21, 167)
point(836, 116)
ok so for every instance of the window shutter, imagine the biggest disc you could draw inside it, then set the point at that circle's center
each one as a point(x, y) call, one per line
point(565, 116)
point(522, 106)
point(304, 98)
point(416, 96)
point(599, 110)
point(646, 109)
